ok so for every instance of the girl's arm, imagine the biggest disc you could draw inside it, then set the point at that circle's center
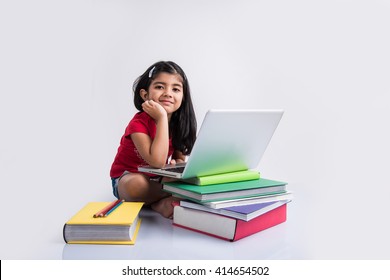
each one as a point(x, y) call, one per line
point(154, 152)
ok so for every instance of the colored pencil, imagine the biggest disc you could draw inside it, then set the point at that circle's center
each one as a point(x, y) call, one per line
point(107, 210)
point(113, 208)
point(103, 211)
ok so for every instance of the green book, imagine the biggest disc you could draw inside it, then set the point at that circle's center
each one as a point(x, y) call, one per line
point(225, 191)
point(230, 177)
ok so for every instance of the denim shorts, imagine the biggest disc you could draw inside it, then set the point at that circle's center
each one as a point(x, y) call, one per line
point(115, 182)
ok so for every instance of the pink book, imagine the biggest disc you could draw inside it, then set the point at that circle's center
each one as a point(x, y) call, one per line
point(226, 227)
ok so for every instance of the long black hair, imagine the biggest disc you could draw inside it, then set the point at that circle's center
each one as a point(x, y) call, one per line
point(182, 126)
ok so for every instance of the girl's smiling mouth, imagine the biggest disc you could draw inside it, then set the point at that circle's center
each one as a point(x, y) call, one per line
point(166, 102)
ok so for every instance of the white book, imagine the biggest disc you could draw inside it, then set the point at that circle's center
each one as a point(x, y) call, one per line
point(248, 201)
point(243, 212)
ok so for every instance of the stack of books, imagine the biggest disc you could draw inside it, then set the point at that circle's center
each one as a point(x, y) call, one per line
point(230, 210)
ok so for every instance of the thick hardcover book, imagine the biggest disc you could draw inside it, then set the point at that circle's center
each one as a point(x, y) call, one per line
point(225, 191)
point(231, 177)
point(226, 227)
point(243, 212)
point(119, 227)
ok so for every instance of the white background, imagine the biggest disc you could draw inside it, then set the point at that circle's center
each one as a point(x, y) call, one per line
point(67, 68)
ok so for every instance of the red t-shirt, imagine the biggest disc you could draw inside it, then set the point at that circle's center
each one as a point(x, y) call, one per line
point(127, 157)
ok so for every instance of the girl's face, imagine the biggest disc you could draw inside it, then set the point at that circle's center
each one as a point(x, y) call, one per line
point(167, 90)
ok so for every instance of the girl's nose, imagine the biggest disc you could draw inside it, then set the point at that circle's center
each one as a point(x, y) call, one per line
point(168, 92)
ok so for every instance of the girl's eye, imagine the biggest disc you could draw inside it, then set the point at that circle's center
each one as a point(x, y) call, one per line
point(176, 89)
point(159, 87)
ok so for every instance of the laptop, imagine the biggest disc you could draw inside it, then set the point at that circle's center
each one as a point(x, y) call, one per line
point(228, 141)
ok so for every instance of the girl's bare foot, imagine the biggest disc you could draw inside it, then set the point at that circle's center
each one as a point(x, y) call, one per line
point(164, 206)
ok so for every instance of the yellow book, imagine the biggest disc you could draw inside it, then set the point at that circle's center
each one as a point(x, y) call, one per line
point(119, 227)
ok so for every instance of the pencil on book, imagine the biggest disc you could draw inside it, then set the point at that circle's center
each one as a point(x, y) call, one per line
point(103, 211)
point(117, 203)
point(113, 208)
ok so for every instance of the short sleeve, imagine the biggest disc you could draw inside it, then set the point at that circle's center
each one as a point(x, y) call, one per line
point(142, 123)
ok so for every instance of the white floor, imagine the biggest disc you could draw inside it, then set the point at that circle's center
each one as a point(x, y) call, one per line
point(318, 227)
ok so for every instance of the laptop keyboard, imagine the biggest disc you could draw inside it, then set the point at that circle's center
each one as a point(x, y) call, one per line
point(175, 169)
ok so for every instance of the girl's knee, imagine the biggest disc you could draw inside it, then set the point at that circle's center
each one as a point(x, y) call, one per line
point(133, 187)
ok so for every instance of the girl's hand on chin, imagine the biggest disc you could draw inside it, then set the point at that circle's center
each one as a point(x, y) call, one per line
point(153, 109)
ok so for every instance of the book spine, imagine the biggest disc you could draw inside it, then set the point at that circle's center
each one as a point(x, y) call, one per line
point(63, 233)
point(228, 178)
point(260, 223)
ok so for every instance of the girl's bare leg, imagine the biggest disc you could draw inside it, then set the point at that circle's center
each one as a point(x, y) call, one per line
point(138, 187)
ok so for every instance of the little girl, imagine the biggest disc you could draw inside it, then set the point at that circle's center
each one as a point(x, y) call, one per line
point(163, 131)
